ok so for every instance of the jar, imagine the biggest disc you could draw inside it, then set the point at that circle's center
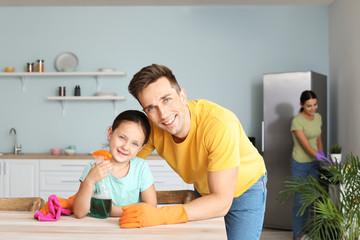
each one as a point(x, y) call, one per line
point(29, 67)
point(77, 91)
point(62, 91)
point(40, 66)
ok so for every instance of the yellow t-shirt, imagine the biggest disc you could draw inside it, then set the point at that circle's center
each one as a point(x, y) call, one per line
point(216, 142)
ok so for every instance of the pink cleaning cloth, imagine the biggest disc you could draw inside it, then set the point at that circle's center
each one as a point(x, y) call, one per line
point(55, 210)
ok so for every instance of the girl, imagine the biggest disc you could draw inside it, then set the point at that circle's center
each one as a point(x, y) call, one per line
point(127, 178)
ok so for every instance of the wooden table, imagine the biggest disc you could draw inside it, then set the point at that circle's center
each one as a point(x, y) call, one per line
point(22, 225)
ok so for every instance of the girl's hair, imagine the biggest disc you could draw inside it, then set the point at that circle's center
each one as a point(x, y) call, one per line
point(136, 117)
point(306, 95)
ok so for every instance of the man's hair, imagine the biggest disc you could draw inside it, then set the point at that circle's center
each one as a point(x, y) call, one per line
point(148, 75)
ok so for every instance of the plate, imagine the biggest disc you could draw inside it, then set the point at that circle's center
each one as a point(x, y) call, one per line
point(66, 61)
point(105, 94)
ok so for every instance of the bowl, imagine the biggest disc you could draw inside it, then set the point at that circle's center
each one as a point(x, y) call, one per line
point(107, 69)
point(69, 151)
point(9, 69)
point(105, 94)
point(56, 151)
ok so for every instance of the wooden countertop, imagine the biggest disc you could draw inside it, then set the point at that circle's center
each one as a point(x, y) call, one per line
point(22, 225)
point(63, 156)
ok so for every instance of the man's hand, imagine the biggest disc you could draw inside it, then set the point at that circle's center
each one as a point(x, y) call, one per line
point(144, 215)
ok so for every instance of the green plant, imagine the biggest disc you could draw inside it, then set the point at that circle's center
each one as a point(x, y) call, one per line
point(331, 217)
point(335, 149)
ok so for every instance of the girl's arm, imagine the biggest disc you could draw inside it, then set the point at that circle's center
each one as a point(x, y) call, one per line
point(305, 142)
point(82, 201)
point(148, 196)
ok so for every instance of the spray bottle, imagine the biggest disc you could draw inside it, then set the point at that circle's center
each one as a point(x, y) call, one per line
point(101, 202)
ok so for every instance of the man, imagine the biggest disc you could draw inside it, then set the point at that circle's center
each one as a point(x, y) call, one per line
point(206, 145)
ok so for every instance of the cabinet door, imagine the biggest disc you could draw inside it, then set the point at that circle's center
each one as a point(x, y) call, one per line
point(21, 178)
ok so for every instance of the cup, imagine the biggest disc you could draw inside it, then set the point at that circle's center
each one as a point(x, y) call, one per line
point(72, 147)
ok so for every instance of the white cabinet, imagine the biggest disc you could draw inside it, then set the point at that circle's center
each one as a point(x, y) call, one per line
point(165, 177)
point(60, 176)
point(19, 178)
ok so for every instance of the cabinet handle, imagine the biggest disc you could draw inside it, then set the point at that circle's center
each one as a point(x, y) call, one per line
point(4, 168)
point(73, 165)
point(159, 182)
point(156, 165)
point(69, 181)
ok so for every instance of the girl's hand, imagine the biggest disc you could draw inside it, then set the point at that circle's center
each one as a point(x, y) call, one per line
point(98, 172)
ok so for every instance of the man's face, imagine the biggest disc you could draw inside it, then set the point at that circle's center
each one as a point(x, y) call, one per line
point(166, 108)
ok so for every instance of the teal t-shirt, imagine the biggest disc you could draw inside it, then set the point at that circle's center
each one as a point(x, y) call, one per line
point(312, 130)
point(125, 191)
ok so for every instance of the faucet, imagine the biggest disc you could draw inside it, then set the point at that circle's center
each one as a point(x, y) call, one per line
point(17, 148)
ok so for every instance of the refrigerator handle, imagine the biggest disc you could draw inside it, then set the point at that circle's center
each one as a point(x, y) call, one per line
point(262, 136)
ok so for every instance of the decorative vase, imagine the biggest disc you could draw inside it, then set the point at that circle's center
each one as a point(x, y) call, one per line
point(336, 157)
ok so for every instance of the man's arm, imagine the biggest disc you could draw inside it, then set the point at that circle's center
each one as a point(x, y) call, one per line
point(222, 188)
point(216, 204)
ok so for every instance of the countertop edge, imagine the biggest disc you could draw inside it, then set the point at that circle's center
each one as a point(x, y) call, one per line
point(49, 156)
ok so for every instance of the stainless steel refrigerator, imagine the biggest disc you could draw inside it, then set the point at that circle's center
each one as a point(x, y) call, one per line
point(281, 103)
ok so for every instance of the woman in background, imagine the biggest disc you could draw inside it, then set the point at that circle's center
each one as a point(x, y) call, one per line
point(308, 147)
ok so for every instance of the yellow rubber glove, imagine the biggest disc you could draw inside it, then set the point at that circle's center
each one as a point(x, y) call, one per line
point(144, 215)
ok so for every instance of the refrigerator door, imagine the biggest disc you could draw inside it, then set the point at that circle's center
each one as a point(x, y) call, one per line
point(281, 103)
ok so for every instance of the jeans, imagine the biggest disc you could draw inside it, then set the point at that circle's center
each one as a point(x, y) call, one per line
point(301, 170)
point(245, 219)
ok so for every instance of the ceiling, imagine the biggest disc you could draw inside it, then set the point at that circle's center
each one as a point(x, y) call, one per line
point(26, 3)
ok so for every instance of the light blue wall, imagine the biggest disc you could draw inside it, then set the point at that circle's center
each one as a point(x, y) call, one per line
point(216, 52)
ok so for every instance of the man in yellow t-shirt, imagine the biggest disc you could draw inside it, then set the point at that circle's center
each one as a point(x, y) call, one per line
point(207, 146)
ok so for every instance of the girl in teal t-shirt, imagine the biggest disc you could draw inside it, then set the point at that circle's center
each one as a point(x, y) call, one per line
point(127, 178)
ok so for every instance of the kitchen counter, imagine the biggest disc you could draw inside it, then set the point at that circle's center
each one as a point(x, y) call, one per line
point(63, 156)
point(22, 225)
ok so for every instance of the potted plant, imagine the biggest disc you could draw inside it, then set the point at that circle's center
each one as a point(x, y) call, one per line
point(331, 217)
point(335, 153)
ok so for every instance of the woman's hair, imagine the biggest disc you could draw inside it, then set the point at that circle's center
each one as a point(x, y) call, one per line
point(306, 95)
point(148, 75)
point(136, 117)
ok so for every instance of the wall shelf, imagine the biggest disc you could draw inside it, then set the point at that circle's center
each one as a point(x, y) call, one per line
point(86, 98)
point(24, 75)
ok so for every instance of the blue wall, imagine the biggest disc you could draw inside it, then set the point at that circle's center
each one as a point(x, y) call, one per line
point(218, 53)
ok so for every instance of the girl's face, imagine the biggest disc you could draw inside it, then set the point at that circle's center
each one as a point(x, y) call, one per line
point(126, 141)
point(310, 106)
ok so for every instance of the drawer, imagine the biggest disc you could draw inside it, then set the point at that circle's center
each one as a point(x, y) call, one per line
point(159, 166)
point(72, 165)
point(168, 181)
point(63, 181)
